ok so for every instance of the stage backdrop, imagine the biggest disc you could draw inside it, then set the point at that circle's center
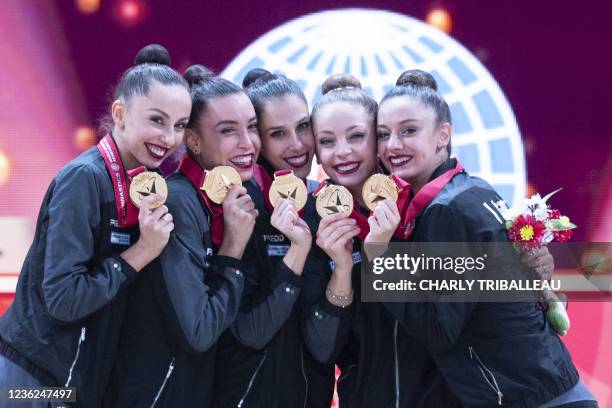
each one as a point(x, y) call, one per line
point(527, 85)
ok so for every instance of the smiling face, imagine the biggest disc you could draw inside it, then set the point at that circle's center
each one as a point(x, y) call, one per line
point(411, 144)
point(227, 135)
point(286, 134)
point(148, 128)
point(346, 144)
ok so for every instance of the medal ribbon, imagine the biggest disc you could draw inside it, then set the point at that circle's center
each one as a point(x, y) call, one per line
point(265, 181)
point(422, 199)
point(127, 212)
point(403, 201)
point(192, 170)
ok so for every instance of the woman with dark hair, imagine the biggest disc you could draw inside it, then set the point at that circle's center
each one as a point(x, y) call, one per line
point(191, 295)
point(382, 364)
point(318, 320)
point(343, 122)
point(91, 242)
point(489, 354)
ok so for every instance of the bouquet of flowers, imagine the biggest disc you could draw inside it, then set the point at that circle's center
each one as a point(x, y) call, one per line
point(531, 225)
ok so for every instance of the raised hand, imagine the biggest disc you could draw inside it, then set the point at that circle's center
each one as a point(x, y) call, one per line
point(383, 223)
point(335, 237)
point(286, 219)
point(155, 228)
point(239, 215)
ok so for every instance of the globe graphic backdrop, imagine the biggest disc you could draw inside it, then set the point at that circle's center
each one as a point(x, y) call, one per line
point(376, 46)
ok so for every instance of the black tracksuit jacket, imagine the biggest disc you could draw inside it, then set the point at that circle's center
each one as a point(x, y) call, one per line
point(177, 309)
point(489, 354)
point(64, 325)
point(382, 367)
point(285, 325)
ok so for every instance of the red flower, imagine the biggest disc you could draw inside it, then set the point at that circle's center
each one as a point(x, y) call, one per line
point(527, 232)
point(562, 236)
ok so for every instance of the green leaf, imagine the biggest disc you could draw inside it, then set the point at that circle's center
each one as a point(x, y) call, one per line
point(557, 225)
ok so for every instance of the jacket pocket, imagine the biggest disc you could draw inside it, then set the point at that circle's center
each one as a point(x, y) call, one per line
point(487, 375)
point(163, 384)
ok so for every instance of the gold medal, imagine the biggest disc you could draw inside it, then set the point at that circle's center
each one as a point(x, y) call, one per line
point(218, 182)
point(334, 199)
point(377, 188)
point(145, 184)
point(290, 187)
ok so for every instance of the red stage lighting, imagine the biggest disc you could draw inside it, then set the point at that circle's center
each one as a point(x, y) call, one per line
point(130, 12)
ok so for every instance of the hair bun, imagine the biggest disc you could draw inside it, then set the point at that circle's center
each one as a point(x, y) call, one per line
point(255, 75)
point(416, 77)
point(152, 54)
point(340, 81)
point(197, 74)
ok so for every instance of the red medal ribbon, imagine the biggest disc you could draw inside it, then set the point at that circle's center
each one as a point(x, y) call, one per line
point(403, 200)
point(192, 170)
point(422, 199)
point(127, 212)
point(265, 181)
point(362, 221)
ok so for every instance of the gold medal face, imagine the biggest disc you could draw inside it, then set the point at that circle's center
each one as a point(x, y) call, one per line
point(334, 199)
point(377, 188)
point(218, 182)
point(146, 184)
point(290, 187)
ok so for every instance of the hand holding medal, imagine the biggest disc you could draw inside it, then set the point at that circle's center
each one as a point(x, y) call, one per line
point(286, 219)
point(239, 217)
point(218, 182)
point(222, 185)
point(377, 188)
point(288, 195)
point(148, 192)
point(380, 194)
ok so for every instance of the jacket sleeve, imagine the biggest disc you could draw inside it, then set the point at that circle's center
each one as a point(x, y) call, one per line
point(437, 325)
point(75, 282)
point(205, 296)
point(325, 326)
point(266, 302)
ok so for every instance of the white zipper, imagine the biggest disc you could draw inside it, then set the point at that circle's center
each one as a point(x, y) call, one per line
point(76, 356)
point(163, 385)
point(492, 382)
point(252, 380)
point(304, 374)
point(397, 388)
